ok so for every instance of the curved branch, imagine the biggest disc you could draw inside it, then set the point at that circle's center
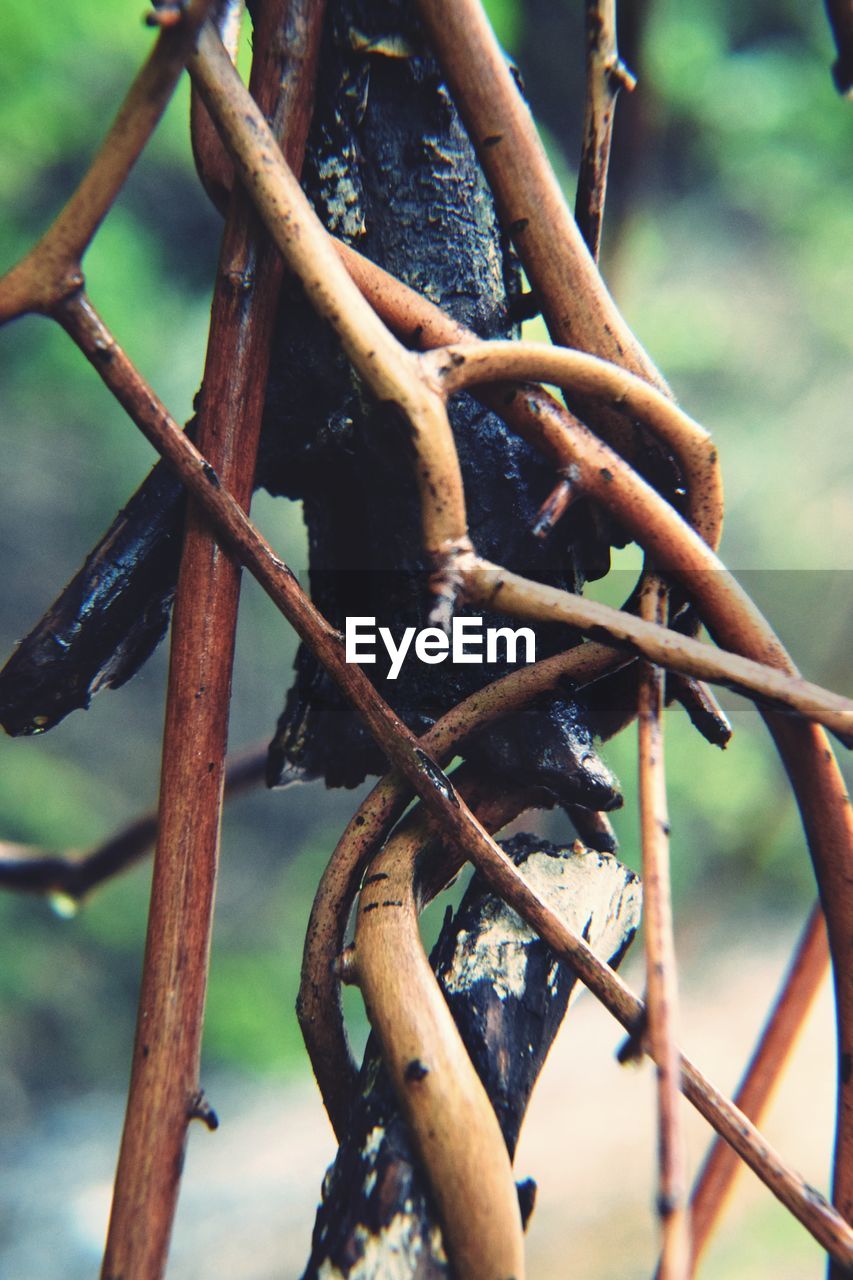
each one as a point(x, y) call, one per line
point(464, 836)
point(535, 414)
point(450, 1114)
point(579, 310)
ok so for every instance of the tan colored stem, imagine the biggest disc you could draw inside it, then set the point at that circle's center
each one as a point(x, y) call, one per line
point(212, 161)
point(579, 310)
point(661, 981)
point(601, 472)
point(450, 1115)
point(492, 587)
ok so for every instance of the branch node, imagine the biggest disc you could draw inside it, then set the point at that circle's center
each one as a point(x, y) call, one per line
point(200, 1109)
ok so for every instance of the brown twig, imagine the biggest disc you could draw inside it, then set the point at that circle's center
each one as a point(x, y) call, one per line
point(661, 983)
point(598, 469)
point(74, 874)
point(52, 268)
point(806, 972)
point(702, 707)
point(164, 1075)
point(606, 74)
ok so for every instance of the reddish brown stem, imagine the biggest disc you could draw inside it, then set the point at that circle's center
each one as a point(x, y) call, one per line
point(806, 972)
point(164, 1076)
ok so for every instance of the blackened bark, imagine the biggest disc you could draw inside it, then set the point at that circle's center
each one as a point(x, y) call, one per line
point(508, 995)
point(390, 169)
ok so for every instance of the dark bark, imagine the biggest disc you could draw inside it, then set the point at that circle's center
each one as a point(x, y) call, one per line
point(508, 995)
point(390, 169)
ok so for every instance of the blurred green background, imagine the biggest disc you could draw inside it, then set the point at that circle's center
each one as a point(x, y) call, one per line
point(728, 247)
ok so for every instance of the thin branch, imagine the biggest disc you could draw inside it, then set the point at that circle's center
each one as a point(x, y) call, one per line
point(73, 874)
point(598, 469)
point(164, 1083)
point(661, 981)
point(702, 707)
point(52, 268)
point(606, 74)
point(805, 974)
